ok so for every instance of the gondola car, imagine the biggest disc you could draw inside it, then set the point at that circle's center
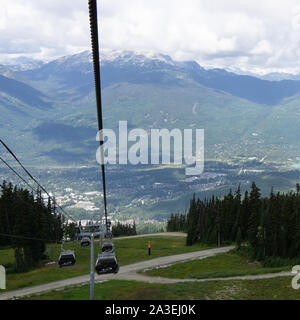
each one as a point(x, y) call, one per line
point(66, 258)
point(108, 246)
point(107, 263)
point(85, 242)
point(108, 235)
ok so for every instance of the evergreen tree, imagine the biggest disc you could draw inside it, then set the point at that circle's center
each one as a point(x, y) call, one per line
point(192, 223)
point(254, 217)
point(239, 239)
point(25, 224)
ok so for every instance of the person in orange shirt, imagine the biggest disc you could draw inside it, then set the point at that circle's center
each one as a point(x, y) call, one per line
point(149, 248)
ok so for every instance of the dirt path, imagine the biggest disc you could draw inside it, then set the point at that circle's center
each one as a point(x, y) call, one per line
point(143, 278)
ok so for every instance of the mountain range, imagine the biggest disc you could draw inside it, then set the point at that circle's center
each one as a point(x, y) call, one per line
point(48, 110)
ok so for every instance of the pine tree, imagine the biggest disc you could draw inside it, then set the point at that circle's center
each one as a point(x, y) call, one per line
point(193, 223)
point(254, 217)
point(245, 215)
point(239, 239)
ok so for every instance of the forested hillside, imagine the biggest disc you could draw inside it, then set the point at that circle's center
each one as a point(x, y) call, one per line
point(268, 228)
point(27, 224)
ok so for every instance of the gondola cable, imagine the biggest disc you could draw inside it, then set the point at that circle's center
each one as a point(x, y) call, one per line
point(66, 257)
point(26, 238)
point(107, 260)
point(30, 175)
point(16, 173)
point(96, 63)
point(19, 162)
point(19, 176)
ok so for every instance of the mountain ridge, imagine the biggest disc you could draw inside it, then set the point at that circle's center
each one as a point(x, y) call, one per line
point(121, 66)
point(148, 91)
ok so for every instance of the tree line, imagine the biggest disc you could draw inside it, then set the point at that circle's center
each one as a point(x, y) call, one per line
point(27, 223)
point(177, 222)
point(120, 229)
point(268, 227)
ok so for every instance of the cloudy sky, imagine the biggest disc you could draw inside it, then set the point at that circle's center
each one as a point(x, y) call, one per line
point(254, 35)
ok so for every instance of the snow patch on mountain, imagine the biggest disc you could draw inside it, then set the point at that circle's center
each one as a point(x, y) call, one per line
point(21, 63)
point(134, 57)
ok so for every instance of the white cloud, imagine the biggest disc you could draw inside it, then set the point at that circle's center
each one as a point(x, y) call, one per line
point(263, 47)
point(249, 35)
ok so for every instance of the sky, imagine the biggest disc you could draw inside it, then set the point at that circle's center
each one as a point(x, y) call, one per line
point(258, 36)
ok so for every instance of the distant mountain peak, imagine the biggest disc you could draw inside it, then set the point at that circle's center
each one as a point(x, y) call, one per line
point(140, 67)
point(78, 58)
point(22, 63)
point(134, 57)
point(117, 56)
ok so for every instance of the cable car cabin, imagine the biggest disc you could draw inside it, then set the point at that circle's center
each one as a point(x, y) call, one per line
point(85, 242)
point(108, 235)
point(66, 258)
point(107, 263)
point(108, 246)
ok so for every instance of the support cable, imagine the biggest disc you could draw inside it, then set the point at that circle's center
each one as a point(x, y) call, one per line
point(30, 175)
point(96, 63)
